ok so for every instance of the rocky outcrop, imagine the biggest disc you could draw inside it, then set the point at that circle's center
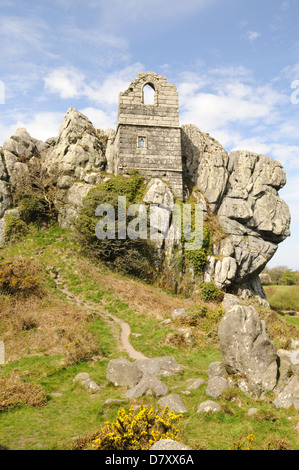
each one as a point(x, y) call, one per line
point(205, 164)
point(79, 147)
point(249, 356)
point(241, 189)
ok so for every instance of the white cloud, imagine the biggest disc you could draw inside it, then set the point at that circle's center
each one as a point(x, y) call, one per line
point(99, 118)
point(41, 126)
point(252, 36)
point(66, 82)
point(71, 83)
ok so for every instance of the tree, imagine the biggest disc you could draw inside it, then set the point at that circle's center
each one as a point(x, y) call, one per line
point(289, 277)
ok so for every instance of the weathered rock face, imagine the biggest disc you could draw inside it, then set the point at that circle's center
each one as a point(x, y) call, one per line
point(79, 147)
point(205, 164)
point(242, 189)
point(252, 214)
point(246, 348)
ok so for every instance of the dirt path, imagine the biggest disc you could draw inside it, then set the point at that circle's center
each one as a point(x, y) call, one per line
point(122, 339)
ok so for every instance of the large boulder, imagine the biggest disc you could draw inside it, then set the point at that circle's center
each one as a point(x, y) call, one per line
point(246, 348)
point(253, 217)
point(70, 202)
point(123, 372)
point(165, 366)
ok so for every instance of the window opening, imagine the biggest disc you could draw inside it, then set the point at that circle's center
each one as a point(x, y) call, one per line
point(148, 94)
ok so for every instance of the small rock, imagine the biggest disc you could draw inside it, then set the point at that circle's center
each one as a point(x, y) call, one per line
point(252, 411)
point(87, 382)
point(169, 444)
point(209, 406)
point(195, 383)
point(289, 395)
point(165, 366)
point(187, 334)
point(174, 403)
point(217, 369)
point(179, 312)
point(149, 384)
point(111, 401)
point(216, 386)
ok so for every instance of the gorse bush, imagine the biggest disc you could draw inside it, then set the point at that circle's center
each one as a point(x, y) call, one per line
point(137, 430)
point(244, 444)
point(15, 228)
point(19, 277)
point(34, 208)
point(209, 292)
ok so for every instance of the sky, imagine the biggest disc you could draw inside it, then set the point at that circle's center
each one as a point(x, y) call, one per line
point(235, 64)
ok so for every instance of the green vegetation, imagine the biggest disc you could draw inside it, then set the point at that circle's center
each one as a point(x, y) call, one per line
point(283, 297)
point(210, 293)
point(282, 275)
point(135, 257)
point(15, 228)
point(49, 340)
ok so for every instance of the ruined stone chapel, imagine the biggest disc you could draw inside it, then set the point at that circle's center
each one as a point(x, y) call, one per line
point(148, 135)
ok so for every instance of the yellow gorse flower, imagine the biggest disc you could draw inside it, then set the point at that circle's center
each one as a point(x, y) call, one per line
point(137, 430)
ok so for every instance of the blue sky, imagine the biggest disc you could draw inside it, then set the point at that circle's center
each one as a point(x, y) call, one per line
point(234, 63)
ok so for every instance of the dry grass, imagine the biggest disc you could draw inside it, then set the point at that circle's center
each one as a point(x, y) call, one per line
point(147, 299)
point(14, 393)
point(35, 326)
point(280, 331)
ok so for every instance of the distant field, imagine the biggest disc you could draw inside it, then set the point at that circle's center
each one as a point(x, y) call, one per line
point(283, 297)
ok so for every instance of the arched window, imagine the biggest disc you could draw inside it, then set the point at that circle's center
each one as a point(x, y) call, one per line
point(148, 94)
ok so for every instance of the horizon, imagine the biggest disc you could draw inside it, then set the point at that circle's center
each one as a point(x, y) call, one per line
point(236, 68)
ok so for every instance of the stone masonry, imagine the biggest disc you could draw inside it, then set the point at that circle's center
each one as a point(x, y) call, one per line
point(148, 136)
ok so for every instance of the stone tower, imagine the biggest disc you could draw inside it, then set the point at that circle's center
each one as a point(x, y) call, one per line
point(148, 136)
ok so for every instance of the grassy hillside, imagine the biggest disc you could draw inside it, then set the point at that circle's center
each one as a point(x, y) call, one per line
point(50, 339)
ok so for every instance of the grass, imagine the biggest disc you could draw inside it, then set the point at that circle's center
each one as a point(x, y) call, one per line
point(41, 355)
point(283, 297)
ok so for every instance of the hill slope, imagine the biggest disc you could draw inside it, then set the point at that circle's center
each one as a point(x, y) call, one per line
point(66, 322)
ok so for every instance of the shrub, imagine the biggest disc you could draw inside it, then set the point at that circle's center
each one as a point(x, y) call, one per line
point(276, 443)
point(35, 194)
point(81, 349)
point(209, 292)
point(15, 228)
point(244, 444)
point(137, 430)
point(14, 393)
point(19, 277)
